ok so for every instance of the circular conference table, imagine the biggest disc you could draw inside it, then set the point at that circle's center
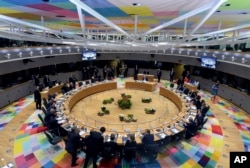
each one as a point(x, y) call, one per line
point(162, 130)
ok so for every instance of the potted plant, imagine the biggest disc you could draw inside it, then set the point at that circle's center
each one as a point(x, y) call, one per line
point(121, 117)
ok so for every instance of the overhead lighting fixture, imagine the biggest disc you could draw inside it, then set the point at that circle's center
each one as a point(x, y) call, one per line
point(243, 60)
point(233, 58)
point(136, 4)
point(31, 53)
point(223, 57)
point(7, 56)
point(20, 54)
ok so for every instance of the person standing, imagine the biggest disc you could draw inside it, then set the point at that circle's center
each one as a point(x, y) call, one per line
point(37, 98)
point(171, 74)
point(159, 75)
point(94, 145)
point(147, 139)
point(46, 81)
point(73, 143)
point(215, 88)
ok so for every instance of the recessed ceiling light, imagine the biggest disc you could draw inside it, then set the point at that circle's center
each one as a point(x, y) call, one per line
point(61, 16)
point(243, 13)
point(136, 4)
point(228, 4)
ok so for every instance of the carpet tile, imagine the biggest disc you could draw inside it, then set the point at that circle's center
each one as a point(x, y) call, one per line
point(31, 148)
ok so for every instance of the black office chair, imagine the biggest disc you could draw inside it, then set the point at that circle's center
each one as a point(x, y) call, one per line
point(42, 120)
point(202, 124)
point(129, 153)
point(45, 102)
point(44, 110)
point(53, 140)
point(151, 151)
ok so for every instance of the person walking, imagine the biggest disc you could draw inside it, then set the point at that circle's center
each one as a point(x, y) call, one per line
point(38, 98)
point(214, 91)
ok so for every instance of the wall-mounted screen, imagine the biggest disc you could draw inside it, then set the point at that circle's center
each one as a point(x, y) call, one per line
point(89, 54)
point(208, 62)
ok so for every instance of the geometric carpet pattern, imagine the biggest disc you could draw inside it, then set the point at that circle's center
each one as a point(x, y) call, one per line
point(32, 149)
point(13, 109)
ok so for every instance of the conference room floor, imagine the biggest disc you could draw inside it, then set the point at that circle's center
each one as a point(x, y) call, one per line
point(24, 144)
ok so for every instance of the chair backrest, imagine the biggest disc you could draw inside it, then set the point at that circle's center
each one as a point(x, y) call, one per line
point(49, 137)
point(44, 110)
point(41, 118)
point(107, 152)
point(129, 153)
point(152, 148)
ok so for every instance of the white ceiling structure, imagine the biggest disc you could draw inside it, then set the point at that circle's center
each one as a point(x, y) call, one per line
point(196, 21)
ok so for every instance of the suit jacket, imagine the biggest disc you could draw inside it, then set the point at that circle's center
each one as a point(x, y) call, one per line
point(159, 73)
point(148, 139)
point(37, 95)
point(73, 143)
point(94, 143)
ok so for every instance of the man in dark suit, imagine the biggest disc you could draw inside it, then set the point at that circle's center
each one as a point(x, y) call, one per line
point(94, 145)
point(147, 139)
point(171, 74)
point(46, 81)
point(159, 75)
point(37, 98)
point(37, 81)
point(73, 143)
point(110, 148)
point(191, 128)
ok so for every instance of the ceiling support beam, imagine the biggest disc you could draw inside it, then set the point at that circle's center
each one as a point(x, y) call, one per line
point(216, 5)
point(86, 8)
point(180, 18)
point(27, 24)
point(227, 30)
point(135, 26)
point(81, 19)
point(185, 28)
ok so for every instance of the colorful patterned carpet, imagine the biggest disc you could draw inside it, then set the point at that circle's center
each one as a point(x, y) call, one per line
point(31, 148)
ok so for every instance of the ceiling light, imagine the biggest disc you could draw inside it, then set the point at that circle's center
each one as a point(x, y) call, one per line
point(227, 4)
point(223, 57)
point(233, 58)
point(243, 13)
point(243, 60)
point(7, 56)
point(136, 4)
point(60, 16)
point(20, 54)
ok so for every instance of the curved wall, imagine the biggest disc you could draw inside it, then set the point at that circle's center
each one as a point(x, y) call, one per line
point(16, 92)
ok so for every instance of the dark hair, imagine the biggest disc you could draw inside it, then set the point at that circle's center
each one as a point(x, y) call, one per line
point(112, 137)
point(148, 131)
point(102, 129)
